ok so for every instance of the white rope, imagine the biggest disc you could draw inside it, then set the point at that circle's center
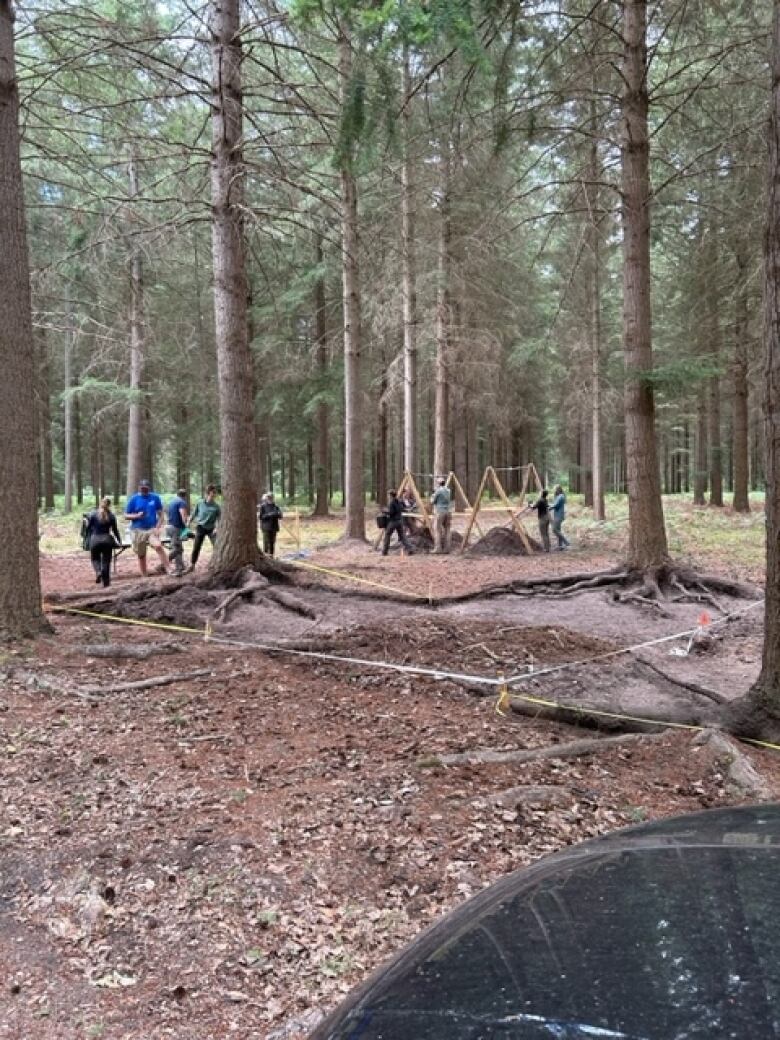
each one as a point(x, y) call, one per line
point(484, 680)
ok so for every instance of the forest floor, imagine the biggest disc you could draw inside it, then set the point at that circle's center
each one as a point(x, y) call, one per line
point(227, 854)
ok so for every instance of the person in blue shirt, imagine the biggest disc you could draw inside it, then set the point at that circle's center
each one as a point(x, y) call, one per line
point(178, 517)
point(145, 511)
point(558, 516)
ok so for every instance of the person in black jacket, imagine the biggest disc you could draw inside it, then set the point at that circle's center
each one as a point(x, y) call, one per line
point(103, 535)
point(394, 511)
point(270, 515)
point(542, 507)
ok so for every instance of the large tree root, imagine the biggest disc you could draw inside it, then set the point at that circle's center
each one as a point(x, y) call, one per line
point(702, 691)
point(252, 584)
point(607, 717)
point(573, 749)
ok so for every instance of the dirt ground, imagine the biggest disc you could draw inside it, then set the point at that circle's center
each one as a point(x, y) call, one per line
point(229, 853)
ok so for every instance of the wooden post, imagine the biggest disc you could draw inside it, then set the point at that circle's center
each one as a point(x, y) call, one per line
point(475, 510)
point(512, 515)
point(459, 488)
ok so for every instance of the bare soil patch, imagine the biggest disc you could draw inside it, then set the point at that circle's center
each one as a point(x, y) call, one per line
point(229, 854)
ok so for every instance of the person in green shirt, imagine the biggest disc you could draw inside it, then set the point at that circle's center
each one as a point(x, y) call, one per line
point(203, 521)
point(441, 501)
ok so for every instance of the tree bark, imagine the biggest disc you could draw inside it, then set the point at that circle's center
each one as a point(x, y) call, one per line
point(236, 544)
point(322, 449)
point(741, 502)
point(713, 412)
point(597, 459)
point(21, 614)
point(701, 464)
point(442, 451)
point(647, 545)
point(758, 714)
point(135, 422)
point(353, 426)
point(44, 423)
point(70, 337)
point(408, 278)
point(77, 452)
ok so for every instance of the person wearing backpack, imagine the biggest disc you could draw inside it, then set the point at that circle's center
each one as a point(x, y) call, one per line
point(103, 536)
point(394, 511)
point(270, 514)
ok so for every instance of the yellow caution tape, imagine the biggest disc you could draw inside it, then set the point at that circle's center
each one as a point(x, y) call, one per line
point(115, 617)
point(504, 698)
point(354, 577)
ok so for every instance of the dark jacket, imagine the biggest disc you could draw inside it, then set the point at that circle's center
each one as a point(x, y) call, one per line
point(270, 515)
point(395, 512)
point(102, 532)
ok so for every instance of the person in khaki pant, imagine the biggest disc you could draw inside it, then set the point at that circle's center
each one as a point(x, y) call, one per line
point(442, 518)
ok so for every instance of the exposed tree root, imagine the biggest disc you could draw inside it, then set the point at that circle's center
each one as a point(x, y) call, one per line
point(147, 684)
point(740, 771)
point(702, 691)
point(574, 749)
point(606, 717)
point(133, 651)
point(249, 582)
point(292, 603)
point(252, 583)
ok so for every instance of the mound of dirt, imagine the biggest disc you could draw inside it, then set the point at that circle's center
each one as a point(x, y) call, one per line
point(462, 644)
point(503, 541)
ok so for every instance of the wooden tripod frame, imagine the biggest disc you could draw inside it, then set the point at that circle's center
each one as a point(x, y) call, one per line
point(491, 475)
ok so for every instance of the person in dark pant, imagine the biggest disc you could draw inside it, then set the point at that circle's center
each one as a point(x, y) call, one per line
point(394, 511)
point(542, 507)
point(204, 519)
point(103, 535)
point(178, 515)
point(270, 515)
point(558, 516)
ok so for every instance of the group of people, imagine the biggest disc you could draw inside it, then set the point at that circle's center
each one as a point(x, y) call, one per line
point(551, 513)
point(150, 521)
point(395, 517)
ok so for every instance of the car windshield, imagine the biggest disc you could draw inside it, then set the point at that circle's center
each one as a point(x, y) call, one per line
point(648, 943)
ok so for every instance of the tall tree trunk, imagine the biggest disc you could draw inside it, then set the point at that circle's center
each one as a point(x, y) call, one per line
point(322, 450)
point(236, 545)
point(135, 424)
point(713, 327)
point(408, 277)
point(182, 448)
point(263, 473)
point(20, 590)
point(353, 425)
point(459, 446)
point(78, 460)
point(442, 442)
point(701, 454)
point(382, 477)
point(291, 488)
point(309, 472)
point(647, 546)
point(472, 454)
point(44, 422)
point(68, 413)
point(739, 452)
point(758, 714)
point(594, 290)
